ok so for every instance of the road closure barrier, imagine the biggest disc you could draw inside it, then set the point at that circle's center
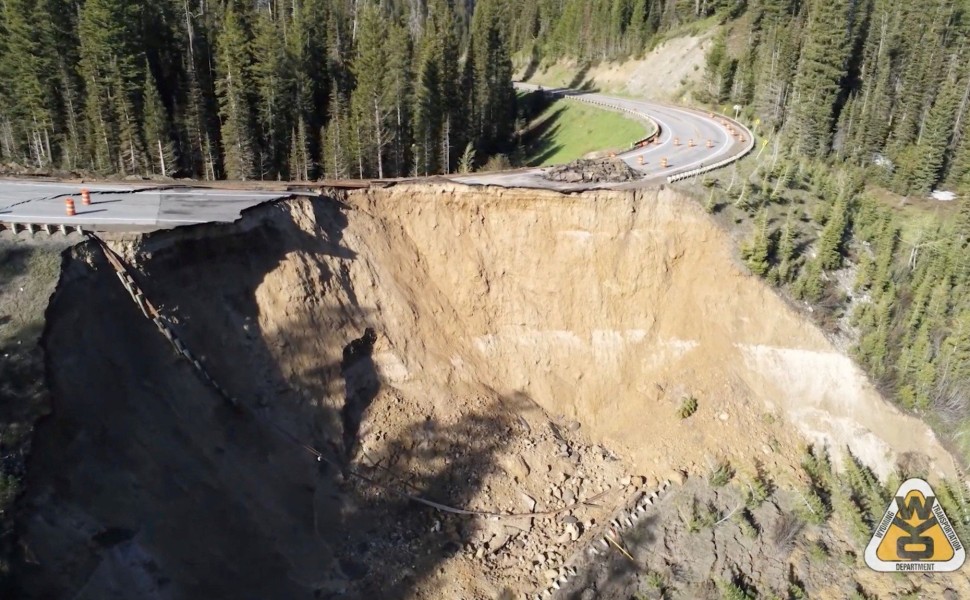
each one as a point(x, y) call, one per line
point(739, 132)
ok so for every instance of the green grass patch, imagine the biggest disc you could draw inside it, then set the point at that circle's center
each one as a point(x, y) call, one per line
point(568, 130)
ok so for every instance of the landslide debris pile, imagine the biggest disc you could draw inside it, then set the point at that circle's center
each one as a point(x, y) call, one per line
point(504, 351)
point(605, 170)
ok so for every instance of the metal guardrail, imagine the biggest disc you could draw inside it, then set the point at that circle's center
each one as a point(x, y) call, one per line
point(34, 228)
point(151, 312)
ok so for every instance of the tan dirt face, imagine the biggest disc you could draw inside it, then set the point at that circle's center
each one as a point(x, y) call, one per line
point(665, 73)
point(611, 307)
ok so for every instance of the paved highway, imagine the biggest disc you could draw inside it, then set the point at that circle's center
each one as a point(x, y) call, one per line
point(679, 129)
point(680, 148)
point(123, 207)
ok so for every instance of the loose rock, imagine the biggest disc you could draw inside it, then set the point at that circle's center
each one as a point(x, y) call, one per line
point(611, 170)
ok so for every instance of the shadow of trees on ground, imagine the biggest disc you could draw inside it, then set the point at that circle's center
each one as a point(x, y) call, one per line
point(540, 141)
point(579, 81)
point(535, 59)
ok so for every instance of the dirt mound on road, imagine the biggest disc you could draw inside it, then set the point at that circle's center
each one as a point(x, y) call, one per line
point(607, 170)
point(499, 350)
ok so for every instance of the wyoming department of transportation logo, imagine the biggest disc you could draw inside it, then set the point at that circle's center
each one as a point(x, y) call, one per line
point(915, 534)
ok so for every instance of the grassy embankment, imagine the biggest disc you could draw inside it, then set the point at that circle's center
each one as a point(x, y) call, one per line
point(567, 130)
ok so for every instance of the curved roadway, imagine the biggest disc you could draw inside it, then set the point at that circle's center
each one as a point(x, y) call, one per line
point(678, 129)
point(29, 205)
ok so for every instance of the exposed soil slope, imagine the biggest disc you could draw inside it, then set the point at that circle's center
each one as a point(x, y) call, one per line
point(665, 73)
point(502, 350)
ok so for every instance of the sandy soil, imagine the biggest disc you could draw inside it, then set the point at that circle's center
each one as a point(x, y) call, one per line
point(500, 350)
point(665, 73)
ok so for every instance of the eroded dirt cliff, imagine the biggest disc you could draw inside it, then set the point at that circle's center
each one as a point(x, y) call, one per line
point(503, 351)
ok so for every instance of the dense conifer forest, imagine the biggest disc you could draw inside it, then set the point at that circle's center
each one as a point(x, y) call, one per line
point(299, 89)
point(253, 89)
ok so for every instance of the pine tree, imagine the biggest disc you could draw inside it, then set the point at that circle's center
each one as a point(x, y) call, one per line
point(111, 69)
point(233, 64)
point(427, 109)
point(161, 149)
point(308, 44)
point(873, 349)
point(959, 171)
point(937, 133)
point(336, 142)
point(400, 84)
point(777, 59)
point(28, 64)
point(300, 161)
point(886, 245)
point(832, 238)
point(493, 118)
point(453, 127)
point(371, 106)
point(196, 120)
point(810, 286)
point(757, 251)
point(713, 67)
point(786, 253)
point(820, 71)
point(72, 146)
point(273, 80)
point(953, 367)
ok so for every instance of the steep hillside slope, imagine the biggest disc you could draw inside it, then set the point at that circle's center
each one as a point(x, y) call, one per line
point(501, 350)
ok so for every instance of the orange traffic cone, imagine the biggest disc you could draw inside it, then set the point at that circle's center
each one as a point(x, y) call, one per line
point(69, 207)
point(741, 138)
point(663, 162)
point(690, 143)
point(676, 141)
point(85, 197)
point(640, 159)
point(710, 144)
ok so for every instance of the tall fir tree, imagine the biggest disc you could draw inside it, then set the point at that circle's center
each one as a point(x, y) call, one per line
point(822, 67)
point(493, 118)
point(371, 104)
point(160, 148)
point(234, 85)
point(273, 80)
point(29, 66)
point(111, 69)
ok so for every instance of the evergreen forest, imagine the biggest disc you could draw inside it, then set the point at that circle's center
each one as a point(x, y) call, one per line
point(253, 89)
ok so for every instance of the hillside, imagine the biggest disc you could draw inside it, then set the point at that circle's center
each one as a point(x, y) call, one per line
point(834, 208)
point(505, 351)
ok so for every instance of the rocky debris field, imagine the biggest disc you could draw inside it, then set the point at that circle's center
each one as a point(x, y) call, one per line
point(551, 485)
point(599, 170)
